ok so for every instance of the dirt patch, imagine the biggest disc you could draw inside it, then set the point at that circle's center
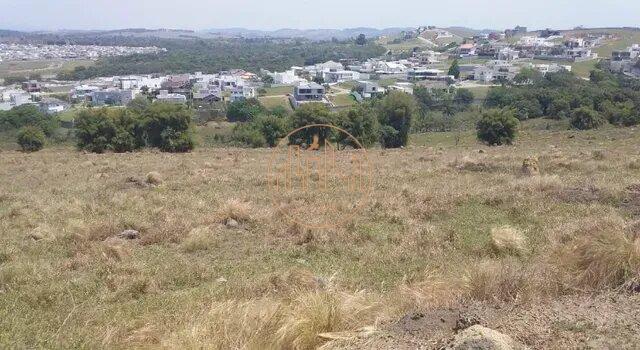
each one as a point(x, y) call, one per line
point(584, 195)
point(631, 200)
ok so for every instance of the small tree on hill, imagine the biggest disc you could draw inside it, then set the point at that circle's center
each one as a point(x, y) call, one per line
point(308, 114)
point(361, 40)
point(454, 69)
point(497, 127)
point(31, 138)
point(244, 110)
point(361, 123)
point(395, 113)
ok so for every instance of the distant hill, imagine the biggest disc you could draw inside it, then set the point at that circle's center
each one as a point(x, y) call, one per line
point(312, 34)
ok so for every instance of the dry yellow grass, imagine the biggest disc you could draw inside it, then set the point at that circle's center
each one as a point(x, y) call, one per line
point(424, 240)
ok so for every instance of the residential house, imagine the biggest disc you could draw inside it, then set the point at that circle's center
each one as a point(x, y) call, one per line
point(112, 97)
point(32, 86)
point(403, 87)
point(466, 50)
point(308, 92)
point(166, 96)
point(508, 54)
point(339, 76)
point(415, 74)
point(82, 92)
point(242, 92)
point(368, 89)
point(51, 105)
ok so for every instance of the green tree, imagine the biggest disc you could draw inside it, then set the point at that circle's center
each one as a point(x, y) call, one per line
point(139, 104)
point(168, 126)
point(272, 128)
point(361, 122)
point(31, 138)
point(463, 98)
point(497, 127)
point(308, 114)
point(244, 110)
point(267, 79)
point(585, 118)
point(361, 40)
point(395, 113)
point(527, 76)
point(454, 69)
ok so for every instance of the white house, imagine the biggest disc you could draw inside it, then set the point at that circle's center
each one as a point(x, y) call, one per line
point(339, 76)
point(165, 96)
point(369, 89)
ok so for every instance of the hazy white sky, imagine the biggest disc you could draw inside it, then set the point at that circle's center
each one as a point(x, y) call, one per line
point(305, 14)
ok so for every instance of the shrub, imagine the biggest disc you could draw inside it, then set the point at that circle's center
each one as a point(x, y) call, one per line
point(26, 115)
point(508, 240)
point(272, 128)
point(361, 123)
point(396, 112)
point(249, 135)
point(497, 127)
point(244, 110)
point(585, 118)
point(168, 127)
point(311, 113)
point(109, 130)
point(31, 138)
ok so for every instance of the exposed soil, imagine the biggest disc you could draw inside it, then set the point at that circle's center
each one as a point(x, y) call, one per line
point(610, 321)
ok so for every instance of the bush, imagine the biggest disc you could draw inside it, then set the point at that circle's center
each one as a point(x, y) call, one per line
point(497, 127)
point(25, 115)
point(244, 110)
point(248, 134)
point(168, 127)
point(272, 128)
point(362, 124)
point(31, 138)
point(162, 125)
point(307, 114)
point(395, 112)
point(109, 130)
point(585, 118)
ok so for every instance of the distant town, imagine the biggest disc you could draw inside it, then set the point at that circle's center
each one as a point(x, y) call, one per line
point(30, 52)
point(481, 60)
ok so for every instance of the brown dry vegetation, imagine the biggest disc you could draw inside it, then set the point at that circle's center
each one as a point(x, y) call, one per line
point(446, 227)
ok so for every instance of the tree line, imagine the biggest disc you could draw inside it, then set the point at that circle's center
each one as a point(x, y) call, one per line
point(214, 55)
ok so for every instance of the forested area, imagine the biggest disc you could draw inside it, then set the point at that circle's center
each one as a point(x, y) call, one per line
point(191, 55)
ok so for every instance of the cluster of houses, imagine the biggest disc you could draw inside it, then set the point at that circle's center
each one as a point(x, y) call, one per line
point(119, 91)
point(626, 61)
point(30, 93)
point(483, 59)
point(31, 52)
point(552, 47)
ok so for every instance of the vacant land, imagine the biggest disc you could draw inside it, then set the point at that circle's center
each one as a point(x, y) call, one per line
point(452, 228)
point(43, 67)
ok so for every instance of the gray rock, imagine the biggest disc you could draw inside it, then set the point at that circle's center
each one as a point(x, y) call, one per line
point(231, 223)
point(478, 337)
point(129, 234)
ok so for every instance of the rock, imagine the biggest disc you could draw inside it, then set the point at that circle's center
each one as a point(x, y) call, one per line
point(221, 280)
point(480, 151)
point(154, 178)
point(530, 166)
point(231, 223)
point(129, 234)
point(479, 337)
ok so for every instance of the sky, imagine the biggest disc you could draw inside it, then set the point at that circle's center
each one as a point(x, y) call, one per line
point(309, 14)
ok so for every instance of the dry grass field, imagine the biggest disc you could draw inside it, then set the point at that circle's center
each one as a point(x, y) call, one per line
point(453, 230)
